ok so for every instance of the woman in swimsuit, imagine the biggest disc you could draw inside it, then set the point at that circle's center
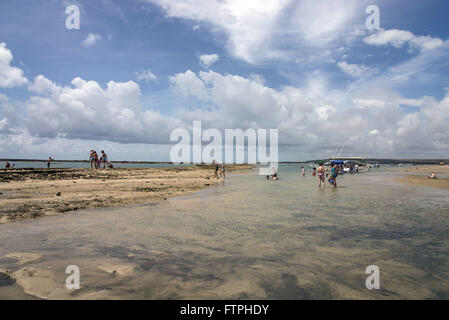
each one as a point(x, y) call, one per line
point(320, 172)
point(92, 159)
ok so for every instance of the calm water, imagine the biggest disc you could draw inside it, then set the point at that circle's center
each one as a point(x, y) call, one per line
point(252, 238)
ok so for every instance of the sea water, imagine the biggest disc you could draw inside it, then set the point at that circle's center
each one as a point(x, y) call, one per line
point(250, 238)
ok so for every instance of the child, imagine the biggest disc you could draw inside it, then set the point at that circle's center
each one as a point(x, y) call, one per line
point(333, 178)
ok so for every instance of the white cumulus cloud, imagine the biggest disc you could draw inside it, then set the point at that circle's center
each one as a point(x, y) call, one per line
point(188, 84)
point(85, 110)
point(9, 76)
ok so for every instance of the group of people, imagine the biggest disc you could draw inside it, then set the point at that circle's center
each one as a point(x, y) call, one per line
point(274, 174)
point(96, 161)
point(220, 170)
point(431, 175)
point(321, 171)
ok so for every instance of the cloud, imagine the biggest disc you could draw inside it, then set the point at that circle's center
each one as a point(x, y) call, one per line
point(196, 27)
point(209, 59)
point(259, 31)
point(372, 123)
point(188, 84)
point(320, 22)
point(398, 38)
point(42, 85)
point(85, 111)
point(8, 116)
point(9, 76)
point(146, 76)
point(354, 70)
point(91, 39)
point(3, 98)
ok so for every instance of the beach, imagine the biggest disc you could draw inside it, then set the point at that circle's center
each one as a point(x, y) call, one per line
point(31, 193)
point(243, 238)
point(417, 176)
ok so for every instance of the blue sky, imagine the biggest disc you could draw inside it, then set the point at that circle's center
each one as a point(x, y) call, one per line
point(309, 68)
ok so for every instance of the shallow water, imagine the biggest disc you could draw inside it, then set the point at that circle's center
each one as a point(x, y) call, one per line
point(252, 238)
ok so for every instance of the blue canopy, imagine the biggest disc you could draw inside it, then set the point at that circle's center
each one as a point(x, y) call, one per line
point(337, 161)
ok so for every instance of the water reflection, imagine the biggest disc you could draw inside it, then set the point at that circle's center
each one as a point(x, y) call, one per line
point(252, 238)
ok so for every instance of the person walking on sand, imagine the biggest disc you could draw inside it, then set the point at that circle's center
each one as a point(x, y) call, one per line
point(321, 172)
point(314, 172)
point(216, 170)
point(49, 162)
point(105, 159)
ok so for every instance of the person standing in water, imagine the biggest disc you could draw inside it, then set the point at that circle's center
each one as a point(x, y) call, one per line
point(91, 158)
point(333, 178)
point(314, 172)
point(303, 170)
point(105, 159)
point(274, 173)
point(49, 162)
point(321, 172)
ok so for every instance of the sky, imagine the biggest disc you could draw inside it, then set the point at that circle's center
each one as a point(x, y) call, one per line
point(136, 70)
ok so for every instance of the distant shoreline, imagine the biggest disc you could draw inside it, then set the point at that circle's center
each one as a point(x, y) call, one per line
point(369, 160)
point(84, 161)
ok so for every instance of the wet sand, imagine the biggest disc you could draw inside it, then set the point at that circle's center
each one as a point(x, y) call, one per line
point(417, 176)
point(42, 192)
